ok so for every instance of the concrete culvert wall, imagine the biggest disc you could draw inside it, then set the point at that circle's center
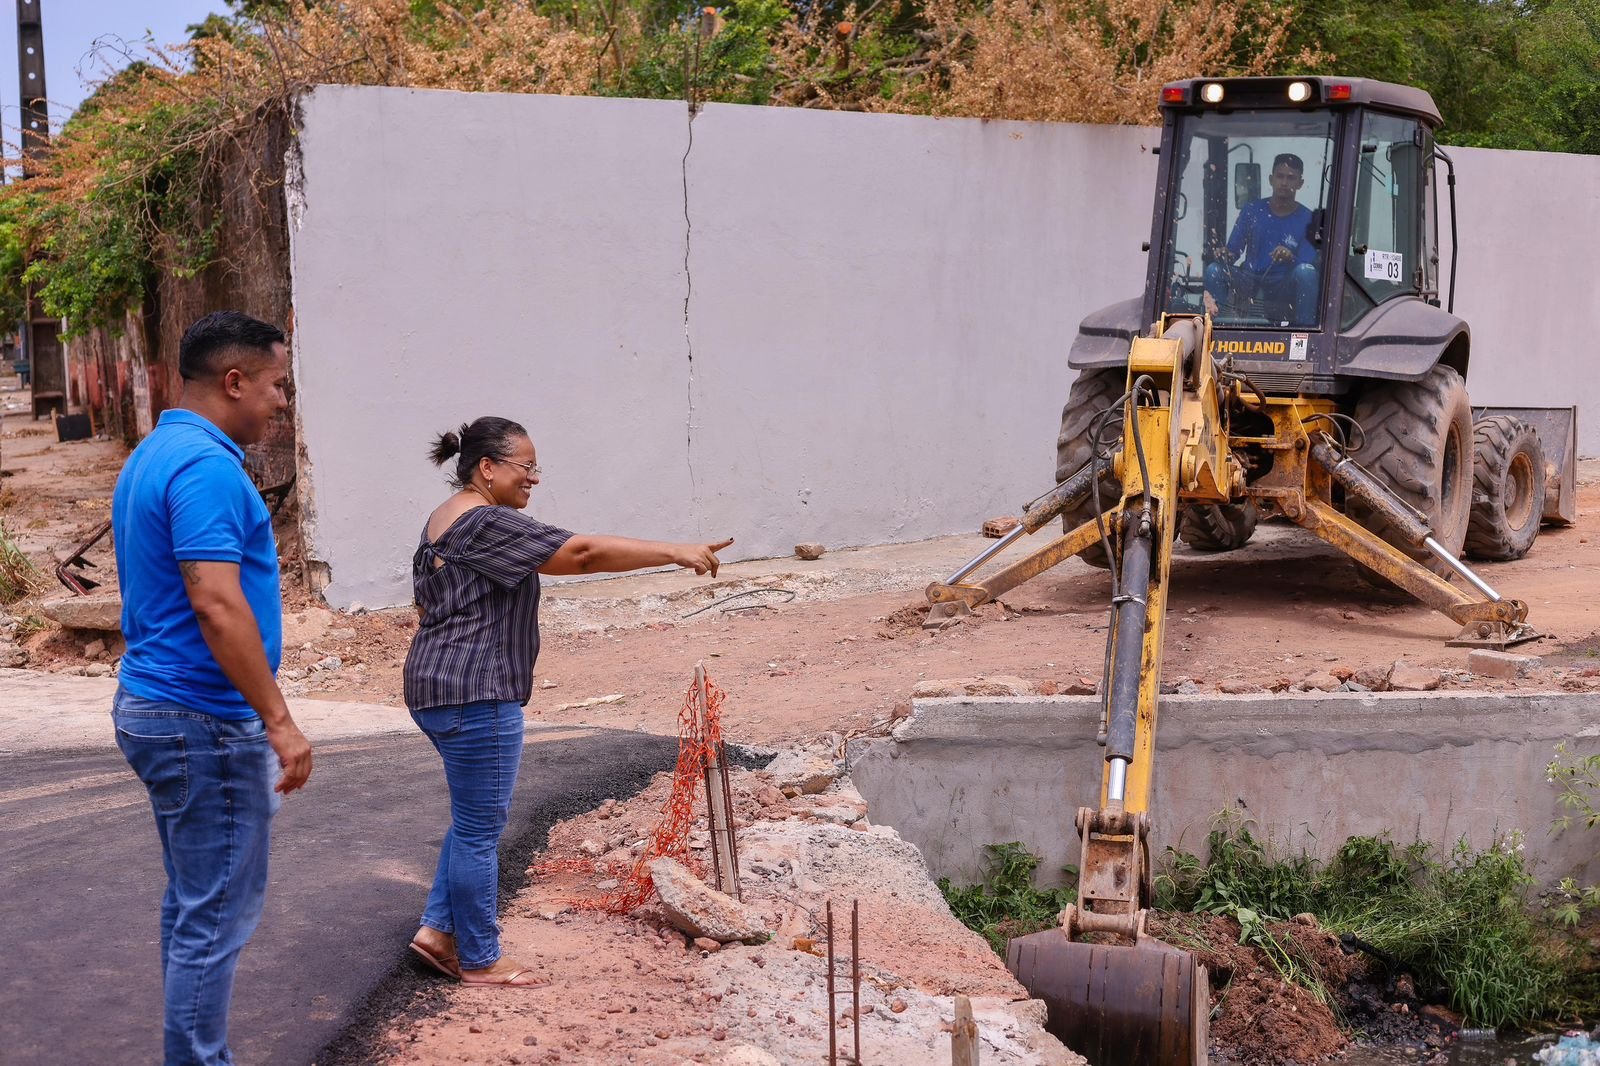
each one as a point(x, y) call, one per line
point(1307, 772)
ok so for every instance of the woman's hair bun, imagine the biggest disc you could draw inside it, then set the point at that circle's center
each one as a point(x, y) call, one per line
point(445, 448)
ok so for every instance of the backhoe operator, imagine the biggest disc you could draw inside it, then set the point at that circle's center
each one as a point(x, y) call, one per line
point(1279, 269)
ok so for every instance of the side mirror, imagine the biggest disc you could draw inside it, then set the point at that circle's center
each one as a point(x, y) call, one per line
point(1246, 183)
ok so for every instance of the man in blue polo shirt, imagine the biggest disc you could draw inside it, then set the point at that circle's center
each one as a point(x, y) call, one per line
point(198, 712)
point(1279, 267)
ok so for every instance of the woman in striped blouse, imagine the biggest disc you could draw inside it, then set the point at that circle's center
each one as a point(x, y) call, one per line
point(469, 671)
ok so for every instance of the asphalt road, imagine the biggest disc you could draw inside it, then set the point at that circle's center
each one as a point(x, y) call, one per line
point(81, 884)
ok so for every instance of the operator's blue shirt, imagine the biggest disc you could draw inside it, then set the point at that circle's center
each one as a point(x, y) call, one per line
point(184, 495)
point(1257, 231)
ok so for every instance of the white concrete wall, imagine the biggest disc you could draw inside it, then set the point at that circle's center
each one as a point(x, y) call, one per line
point(779, 325)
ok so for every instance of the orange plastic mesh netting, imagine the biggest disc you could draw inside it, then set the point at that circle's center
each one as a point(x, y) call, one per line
point(698, 737)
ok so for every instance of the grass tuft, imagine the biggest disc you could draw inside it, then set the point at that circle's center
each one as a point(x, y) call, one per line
point(1462, 922)
point(18, 576)
point(1007, 904)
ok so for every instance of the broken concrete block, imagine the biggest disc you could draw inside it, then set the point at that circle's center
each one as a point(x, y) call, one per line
point(806, 774)
point(1371, 678)
point(809, 551)
point(97, 670)
point(1319, 681)
point(98, 610)
point(998, 685)
point(1238, 686)
point(592, 848)
point(694, 907)
point(1486, 662)
point(1405, 677)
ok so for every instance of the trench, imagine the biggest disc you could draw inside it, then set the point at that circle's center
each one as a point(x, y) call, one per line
point(1304, 772)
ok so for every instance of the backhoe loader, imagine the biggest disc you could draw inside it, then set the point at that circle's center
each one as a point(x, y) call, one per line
point(1296, 364)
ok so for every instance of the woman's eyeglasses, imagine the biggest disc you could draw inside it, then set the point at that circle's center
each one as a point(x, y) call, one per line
point(531, 469)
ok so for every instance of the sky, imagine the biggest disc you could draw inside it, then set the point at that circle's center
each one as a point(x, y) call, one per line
point(71, 30)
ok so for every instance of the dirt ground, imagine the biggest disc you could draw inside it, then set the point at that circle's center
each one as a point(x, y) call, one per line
point(808, 652)
point(847, 650)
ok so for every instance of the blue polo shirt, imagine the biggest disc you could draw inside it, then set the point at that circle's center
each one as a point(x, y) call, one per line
point(184, 495)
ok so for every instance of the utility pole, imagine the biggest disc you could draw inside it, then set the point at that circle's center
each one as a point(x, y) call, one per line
point(39, 335)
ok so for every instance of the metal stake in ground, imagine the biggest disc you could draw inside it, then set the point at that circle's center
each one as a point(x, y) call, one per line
point(719, 797)
point(833, 1043)
point(855, 985)
point(855, 973)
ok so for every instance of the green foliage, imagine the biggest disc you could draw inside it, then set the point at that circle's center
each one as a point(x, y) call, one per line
point(1007, 904)
point(734, 66)
point(1505, 73)
point(18, 576)
point(1463, 922)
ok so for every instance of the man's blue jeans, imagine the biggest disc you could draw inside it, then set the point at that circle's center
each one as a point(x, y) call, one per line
point(210, 784)
point(481, 744)
point(1295, 295)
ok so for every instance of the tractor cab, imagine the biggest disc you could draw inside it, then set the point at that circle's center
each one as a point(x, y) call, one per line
point(1301, 213)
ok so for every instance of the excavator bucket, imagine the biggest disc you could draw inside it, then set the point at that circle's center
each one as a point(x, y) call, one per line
point(1147, 1004)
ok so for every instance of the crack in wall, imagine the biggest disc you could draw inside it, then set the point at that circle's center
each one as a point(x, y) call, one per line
point(688, 295)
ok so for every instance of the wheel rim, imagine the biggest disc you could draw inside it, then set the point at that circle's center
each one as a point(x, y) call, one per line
point(1519, 491)
point(1452, 463)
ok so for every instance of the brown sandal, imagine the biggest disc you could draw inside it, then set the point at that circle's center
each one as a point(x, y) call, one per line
point(509, 980)
point(445, 964)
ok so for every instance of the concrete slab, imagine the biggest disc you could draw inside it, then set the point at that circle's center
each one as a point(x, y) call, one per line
point(43, 712)
point(1308, 771)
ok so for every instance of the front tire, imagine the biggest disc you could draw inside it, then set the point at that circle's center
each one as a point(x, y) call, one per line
point(1092, 392)
point(1418, 441)
point(1507, 488)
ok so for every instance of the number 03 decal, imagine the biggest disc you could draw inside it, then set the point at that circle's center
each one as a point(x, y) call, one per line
point(1385, 266)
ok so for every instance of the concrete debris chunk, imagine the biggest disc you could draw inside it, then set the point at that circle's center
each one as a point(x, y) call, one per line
point(998, 685)
point(806, 774)
point(12, 656)
point(1318, 681)
point(809, 551)
point(1372, 678)
point(697, 909)
point(1486, 662)
point(1238, 686)
point(1406, 677)
point(99, 610)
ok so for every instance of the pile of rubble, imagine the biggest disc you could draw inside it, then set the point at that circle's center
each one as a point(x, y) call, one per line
point(697, 975)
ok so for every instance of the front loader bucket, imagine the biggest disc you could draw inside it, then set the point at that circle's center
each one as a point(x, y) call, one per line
point(1144, 1005)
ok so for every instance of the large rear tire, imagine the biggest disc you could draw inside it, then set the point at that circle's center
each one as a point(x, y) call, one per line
point(1507, 488)
point(1092, 392)
point(1217, 527)
point(1418, 441)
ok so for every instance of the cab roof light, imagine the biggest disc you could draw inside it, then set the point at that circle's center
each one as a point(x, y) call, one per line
point(1174, 94)
point(1211, 92)
point(1299, 92)
point(1339, 91)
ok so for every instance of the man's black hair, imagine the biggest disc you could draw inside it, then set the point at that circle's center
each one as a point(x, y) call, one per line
point(1293, 160)
point(202, 352)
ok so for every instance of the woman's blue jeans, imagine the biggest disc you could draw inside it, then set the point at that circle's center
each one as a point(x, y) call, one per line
point(481, 744)
point(210, 784)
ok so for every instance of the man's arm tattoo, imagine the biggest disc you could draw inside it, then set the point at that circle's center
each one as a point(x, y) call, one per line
point(191, 571)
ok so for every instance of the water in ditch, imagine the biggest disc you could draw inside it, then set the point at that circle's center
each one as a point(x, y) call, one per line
point(1471, 1050)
